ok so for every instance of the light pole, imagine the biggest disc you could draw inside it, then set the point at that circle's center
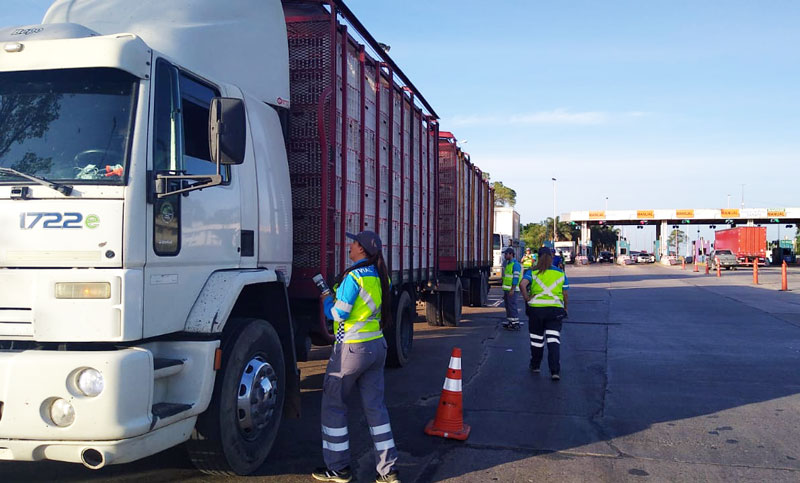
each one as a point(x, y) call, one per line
point(742, 195)
point(729, 201)
point(555, 221)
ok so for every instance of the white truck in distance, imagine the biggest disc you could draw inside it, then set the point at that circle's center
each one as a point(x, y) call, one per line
point(506, 234)
point(566, 249)
point(145, 291)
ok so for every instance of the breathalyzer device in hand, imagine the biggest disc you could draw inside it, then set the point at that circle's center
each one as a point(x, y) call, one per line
point(319, 281)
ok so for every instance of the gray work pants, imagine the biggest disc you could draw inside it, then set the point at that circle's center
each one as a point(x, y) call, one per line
point(512, 310)
point(353, 365)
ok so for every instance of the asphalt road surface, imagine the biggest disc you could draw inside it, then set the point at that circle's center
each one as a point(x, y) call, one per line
point(666, 375)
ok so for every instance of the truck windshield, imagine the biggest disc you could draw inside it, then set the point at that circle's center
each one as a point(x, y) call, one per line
point(66, 125)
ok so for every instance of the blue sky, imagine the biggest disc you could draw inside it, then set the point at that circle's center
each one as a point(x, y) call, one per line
point(657, 104)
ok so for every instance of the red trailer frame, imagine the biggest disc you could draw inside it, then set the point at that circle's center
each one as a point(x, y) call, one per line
point(356, 136)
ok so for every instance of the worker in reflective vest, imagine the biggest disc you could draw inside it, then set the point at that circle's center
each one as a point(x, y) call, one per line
point(511, 274)
point(362, 307)
point(545, 290)
point(527, 260)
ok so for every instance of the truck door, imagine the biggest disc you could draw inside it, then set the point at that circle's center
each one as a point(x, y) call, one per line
point(193, 234)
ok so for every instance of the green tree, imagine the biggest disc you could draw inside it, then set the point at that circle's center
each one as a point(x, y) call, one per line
point(605, 238)
point(797, 237)
point(566, 231)
point(503, 195)
point(533, 234)
point(676, 237)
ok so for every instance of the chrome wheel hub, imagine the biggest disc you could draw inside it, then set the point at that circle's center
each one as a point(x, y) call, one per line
point(257, 396)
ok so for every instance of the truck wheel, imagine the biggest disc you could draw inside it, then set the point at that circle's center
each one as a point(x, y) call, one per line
point(237, 431)
point(400, 335)
point(478, 291)
point(433, 310)
point(451, 305)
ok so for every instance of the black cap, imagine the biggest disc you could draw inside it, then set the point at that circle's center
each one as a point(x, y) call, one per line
point(545, 251)
point(369, 240)
point(509, 250)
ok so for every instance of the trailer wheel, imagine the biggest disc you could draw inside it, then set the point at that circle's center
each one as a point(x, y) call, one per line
point(451, 305)
point(400, 335)
point(237, 431)
point(433, 310)
point(479, 290)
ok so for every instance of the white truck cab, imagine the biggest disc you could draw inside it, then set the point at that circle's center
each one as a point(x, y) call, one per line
point(146, 238)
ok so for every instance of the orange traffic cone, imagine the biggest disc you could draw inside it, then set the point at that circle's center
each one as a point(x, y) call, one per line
point(449, 421)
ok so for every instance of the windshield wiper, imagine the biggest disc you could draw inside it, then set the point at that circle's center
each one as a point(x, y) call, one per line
point(61, 188)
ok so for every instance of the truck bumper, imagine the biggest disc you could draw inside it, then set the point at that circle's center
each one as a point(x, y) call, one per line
point(125, 421)
point(96, 454)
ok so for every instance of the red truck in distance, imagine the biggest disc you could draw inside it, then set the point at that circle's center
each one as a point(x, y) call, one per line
point(747, 243)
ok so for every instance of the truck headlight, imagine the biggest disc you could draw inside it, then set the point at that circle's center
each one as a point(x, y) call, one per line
point(62, 413)
point(83, 290)
point(90, 382)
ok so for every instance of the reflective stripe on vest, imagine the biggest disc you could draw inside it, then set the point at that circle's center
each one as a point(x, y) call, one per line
point(508, 276)
point(547, 289)
point(364, 322)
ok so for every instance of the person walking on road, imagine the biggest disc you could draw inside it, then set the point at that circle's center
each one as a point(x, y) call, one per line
point(362, 308)
point(511, 274)
point(545, 290)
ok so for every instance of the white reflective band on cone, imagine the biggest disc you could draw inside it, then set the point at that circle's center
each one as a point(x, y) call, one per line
point(384, 445)
point(453, 385)
point(382, 429)
point(334, 431)
point(455, 363)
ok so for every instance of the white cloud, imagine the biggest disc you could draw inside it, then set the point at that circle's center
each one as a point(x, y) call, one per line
point(560, 116)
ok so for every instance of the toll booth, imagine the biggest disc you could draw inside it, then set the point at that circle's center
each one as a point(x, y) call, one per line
point(623, 247)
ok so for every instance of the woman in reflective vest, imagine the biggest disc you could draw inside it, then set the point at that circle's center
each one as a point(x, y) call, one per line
point(362, 307)
point(545, 290)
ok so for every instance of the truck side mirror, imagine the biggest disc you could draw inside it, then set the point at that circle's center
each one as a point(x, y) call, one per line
point(227, 131)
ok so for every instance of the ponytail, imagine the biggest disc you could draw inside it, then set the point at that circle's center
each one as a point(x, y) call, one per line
point(544, 263)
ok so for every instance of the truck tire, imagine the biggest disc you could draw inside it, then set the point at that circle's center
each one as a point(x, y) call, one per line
point(451, 305)
point(400, 335)
point(236, 433)
point(478, 290)
point(433, 310)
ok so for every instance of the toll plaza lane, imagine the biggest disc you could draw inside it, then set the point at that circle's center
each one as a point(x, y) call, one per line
point(666, 374)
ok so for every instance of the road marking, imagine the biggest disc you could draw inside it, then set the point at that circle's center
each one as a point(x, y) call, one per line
point(497, 304)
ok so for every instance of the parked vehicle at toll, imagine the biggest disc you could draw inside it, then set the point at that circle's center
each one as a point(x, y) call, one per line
point(605, 257)
point(644, 257)
point(726, 258)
